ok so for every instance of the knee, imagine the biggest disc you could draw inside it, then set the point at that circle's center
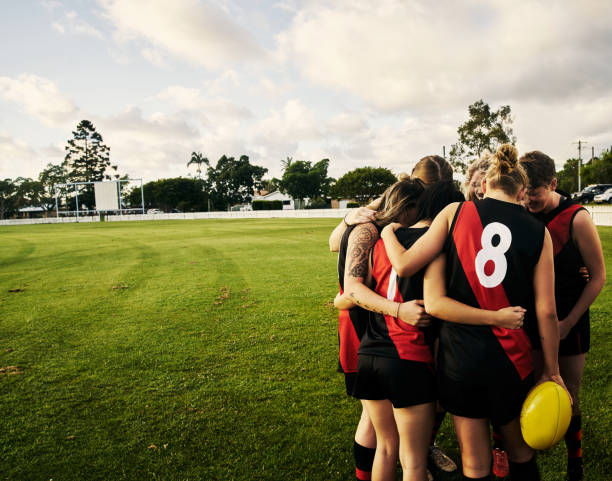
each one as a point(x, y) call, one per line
point(475, 468)
point(387, 446)
point(520, 454)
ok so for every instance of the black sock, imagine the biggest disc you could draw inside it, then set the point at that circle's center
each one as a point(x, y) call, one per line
point(485, 478)
point(364, 458)
point(437, 423)
point(497, 439)
point(573, 438)
point(527, 471)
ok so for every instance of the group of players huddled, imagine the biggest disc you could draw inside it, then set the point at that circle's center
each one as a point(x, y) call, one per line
point(448, 305)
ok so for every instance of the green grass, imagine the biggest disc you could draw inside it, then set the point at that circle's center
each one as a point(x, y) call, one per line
point(186, 350)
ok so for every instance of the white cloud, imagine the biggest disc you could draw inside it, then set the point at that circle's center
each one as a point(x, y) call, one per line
point(399, 55)
point(73, 24)
point(192, 100)
point(154, 56)
point(38, 97)
point(17, 158)
point(189, 29)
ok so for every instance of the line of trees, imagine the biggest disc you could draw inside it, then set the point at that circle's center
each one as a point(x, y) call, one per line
point(233, 181)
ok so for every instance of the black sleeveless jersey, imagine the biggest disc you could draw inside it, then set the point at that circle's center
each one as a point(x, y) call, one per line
point(569, 283)
point(352, 323)
point(492, 249)
point(387, 336)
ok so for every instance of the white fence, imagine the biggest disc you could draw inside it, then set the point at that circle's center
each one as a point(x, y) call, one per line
point(602, 215)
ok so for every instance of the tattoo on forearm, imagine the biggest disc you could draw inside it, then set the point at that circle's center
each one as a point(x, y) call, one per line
point(358, 255)
point(364, 305)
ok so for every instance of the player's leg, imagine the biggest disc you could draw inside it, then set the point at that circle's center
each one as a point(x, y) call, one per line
point(437, 457)
point(571, 368)
point(414, 425)
point(522, 458)
point(473, 436)
point(387, 439)
point(364, 447)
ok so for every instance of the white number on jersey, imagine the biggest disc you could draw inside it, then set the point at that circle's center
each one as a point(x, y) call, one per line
point(489, 252)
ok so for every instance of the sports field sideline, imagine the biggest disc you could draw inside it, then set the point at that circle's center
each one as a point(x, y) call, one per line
point(197, 350)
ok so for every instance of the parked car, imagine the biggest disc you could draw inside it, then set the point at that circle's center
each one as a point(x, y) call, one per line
point(155, 211)
point(605, 197)
point(591, 191)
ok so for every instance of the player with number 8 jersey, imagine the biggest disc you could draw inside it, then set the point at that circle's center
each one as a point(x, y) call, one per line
point(492, 251)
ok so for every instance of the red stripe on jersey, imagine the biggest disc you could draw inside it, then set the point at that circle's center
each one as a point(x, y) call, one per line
point(409, 341)
point(467, 238)
point(559, 227)
point(349, 342)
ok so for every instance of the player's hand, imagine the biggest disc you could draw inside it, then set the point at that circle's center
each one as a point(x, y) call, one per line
point(556, 378)
point(564, 328)
point(413, 313)
point(510, 317)
point(584, 272)
point(342, 302)
point(362, 215)
point(390, 229)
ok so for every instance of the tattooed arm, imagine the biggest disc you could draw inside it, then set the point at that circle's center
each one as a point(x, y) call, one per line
point(357, 274)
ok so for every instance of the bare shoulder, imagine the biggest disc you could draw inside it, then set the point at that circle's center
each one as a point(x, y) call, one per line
point(583, 220)
point(364, 234)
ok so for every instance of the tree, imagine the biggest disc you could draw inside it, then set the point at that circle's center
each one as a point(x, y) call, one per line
point(7, 200)
point(233, 181)
point(363, 184)
point(49, 177)
point(28, 192)
point(166, 194)
point(270, 185)
point(597, 171)
point(484, 130)
point(286, 163)
point(87, 160)
point(198, 159)
point(567, 178)
point(303, 180)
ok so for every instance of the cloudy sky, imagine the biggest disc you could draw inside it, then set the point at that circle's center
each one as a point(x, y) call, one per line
point(363, 83)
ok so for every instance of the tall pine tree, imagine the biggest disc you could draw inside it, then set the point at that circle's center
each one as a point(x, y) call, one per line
point(87, 160)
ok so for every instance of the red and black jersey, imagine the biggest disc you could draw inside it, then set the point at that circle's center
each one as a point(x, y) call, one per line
point(388, 336)
point(352, 322)
point(492, 250)
point(569, 283)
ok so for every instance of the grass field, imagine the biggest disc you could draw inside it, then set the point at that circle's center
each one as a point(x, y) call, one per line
point(197, 350)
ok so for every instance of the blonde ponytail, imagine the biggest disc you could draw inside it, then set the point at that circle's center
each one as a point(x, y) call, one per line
point(505, 172)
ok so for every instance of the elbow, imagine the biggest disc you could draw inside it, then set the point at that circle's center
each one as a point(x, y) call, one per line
point(432, 306)
point(402, 271)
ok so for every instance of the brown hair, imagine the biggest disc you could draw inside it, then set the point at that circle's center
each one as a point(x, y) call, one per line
point(432, 169)
point(540, 168)
point(396, 200)
point(505, 172)
point(479, 165)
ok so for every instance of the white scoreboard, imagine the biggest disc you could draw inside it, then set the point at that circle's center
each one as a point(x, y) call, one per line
point(107, 195)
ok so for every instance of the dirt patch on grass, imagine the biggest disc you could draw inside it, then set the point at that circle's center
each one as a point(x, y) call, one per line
point(224, 295)
point(10, 370)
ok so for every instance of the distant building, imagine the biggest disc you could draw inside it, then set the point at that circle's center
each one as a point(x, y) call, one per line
point(32, 212)
point(288, 202)
point(341, 204)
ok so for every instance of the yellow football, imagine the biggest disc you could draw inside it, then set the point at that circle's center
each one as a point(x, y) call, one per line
point(546, 414)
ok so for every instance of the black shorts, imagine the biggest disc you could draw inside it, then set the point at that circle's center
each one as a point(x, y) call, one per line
point(578, 341)
point(500, 401)
point(404, 383)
